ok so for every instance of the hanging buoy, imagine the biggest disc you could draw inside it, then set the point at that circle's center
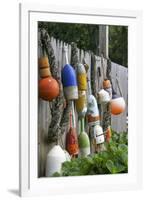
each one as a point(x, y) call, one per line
point(81, 104)
point(106, 84)
point(103, 96)
point(92, 108)
point(48, 86)
point(107, 87)
point(71, 139)
point(92, 111)
point(98, 134)
point(81, 77)
point(84, 142)
point(117, 104)
point(108, 134)
point(69, 80)
point(55, 158)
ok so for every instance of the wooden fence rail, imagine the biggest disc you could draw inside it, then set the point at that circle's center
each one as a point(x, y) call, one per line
point(119, 123)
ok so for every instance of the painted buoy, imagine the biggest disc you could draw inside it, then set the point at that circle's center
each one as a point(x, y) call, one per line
point(44, 66)
point(92, 111)
point(106, 84)
point(55, 158)
point(81, 104)
point(81, 77)
point(71, 140)
point(48, 86)
point(84, 142)
point(117, 105)
point(69, 79)
point(98, 134)
point(103, 96)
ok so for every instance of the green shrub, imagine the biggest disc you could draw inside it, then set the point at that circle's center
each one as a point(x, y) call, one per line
point(112, 161)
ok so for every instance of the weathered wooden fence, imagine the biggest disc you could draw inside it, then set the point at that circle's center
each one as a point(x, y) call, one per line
point(117, 72)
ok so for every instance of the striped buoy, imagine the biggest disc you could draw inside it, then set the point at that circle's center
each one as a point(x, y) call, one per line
point(48, 86)
point(69, 80)
point(84, 142)
point(98, 134)
point(81, 77)
point(117, 104)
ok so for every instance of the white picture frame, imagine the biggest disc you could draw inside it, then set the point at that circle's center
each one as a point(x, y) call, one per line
point(30, 184)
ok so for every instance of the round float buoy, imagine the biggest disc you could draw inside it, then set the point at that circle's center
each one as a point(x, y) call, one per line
point(48, 86)
point(117, 104)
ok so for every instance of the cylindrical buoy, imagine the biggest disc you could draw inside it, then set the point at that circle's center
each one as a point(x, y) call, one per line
point(98, 134)
point(81, 77)
point(103, 96)
point(92, 108)
point(81, 104)
point(48, 86)
point(84, 142)
point(71, 139)
point(55, 158)
point(69, 80)
point(92, 111)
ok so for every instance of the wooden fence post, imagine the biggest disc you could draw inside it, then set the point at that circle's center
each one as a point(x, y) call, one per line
point(103, 40)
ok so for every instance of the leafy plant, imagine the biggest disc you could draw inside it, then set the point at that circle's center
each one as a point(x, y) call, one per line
point(112, 161)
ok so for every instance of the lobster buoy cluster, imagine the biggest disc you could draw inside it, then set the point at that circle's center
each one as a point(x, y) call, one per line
point(77, 90)
point(48, 86)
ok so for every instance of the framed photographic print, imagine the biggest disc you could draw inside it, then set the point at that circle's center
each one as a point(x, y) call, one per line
point(80, 100)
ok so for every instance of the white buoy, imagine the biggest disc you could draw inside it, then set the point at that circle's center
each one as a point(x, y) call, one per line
point(55, 158)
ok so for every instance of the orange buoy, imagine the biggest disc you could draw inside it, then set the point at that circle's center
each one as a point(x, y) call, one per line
point(106, 84)
point(48, 89)
point(108, 134)
point(117, 104)
point(48, 86)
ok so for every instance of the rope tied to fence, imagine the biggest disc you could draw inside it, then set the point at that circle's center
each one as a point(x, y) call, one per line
point(54, 130)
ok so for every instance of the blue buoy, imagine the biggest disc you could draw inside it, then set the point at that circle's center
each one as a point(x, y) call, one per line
point(69, 79)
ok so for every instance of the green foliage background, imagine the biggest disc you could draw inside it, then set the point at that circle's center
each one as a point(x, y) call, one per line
point(87, 38)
